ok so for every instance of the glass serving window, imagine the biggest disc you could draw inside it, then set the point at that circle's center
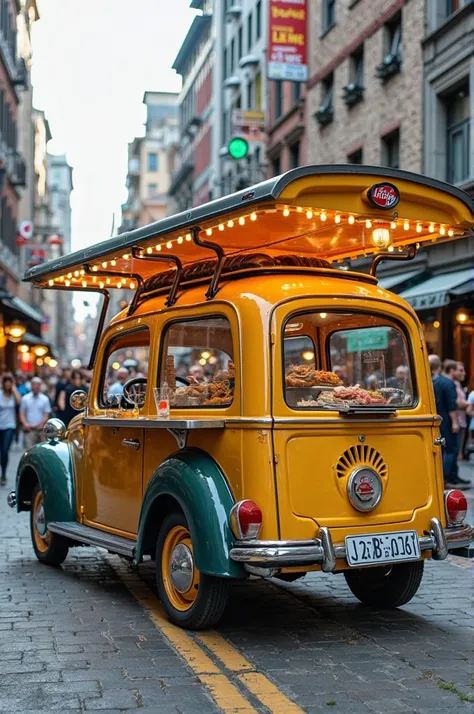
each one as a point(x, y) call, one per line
point(126, 358)
point(197, 363)
point(343, 360)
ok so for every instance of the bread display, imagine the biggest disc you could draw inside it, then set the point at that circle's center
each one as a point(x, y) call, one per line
point(305, 376)
point(339, 396)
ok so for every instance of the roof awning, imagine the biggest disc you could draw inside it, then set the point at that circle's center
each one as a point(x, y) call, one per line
point(392, 281)
point(436, 291)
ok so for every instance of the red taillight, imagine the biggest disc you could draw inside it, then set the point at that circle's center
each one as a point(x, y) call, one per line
point(246, 520)
point(456, 507)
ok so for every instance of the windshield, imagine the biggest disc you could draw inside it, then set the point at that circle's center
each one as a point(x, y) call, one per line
point(344, 360)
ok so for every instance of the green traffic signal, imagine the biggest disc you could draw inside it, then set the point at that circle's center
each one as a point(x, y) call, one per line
point(238, 148)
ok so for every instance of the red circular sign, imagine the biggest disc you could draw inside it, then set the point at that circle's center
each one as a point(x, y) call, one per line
point(383, 195)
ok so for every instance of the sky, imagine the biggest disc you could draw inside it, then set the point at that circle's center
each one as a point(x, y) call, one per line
point(92, 62)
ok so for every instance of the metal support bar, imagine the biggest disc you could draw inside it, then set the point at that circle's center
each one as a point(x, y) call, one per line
point(103, 314)
point(214, 286)
point(171, 299)
point(409, 255)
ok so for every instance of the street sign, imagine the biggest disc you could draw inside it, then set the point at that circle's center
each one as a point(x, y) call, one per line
point(26, 229)
point(249, 125)
point(238, 148)
point(369, 339)
point(288, 40)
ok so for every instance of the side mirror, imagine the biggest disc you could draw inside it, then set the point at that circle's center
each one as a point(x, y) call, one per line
point(78, 400)
point(54, 430)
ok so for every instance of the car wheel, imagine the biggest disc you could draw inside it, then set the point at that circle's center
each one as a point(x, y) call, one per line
point(190, 598)
point(50, 548)
point(386, 586)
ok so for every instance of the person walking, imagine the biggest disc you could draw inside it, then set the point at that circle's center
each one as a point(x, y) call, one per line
point(9, 400)
point(35, 410)
point(459, 377)
point(76, 383)
point(451, 371)
point(61, 385)
point(446, 406)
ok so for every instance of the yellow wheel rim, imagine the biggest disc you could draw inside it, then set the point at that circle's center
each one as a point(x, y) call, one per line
point(41, 534)
point(179, 572)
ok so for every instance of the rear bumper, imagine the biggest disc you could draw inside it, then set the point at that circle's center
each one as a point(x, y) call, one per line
point(256, 555)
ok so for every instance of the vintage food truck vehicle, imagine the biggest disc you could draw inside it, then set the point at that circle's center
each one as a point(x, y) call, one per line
point(290, 445)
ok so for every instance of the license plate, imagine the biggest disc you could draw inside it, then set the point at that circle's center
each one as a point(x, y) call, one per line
point(382, 548)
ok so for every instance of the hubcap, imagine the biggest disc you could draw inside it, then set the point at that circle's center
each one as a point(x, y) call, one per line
point(182, 568)
point(40, 522)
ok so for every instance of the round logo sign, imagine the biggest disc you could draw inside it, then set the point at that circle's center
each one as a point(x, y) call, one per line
point(26, 229)
point(364, 488)
point(383, 195)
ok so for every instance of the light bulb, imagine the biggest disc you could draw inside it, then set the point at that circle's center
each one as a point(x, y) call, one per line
point(450, 232)
point(126, 256)
point(104, 264)
point(158, 248)
point(230, 224)
point(69, 275)
point(169, 244)
point(119, 284)
point(180, 239)
point(337, 218)
point(418, 228)
point(241, 221)
point(209, 231)
point(393, 225)
point(381, 237)
point(101, 285)
point(431, 228)
point(84, 283)
point(323, 216)
point(149, 250)
point(113, 263)
point(406, 226)
point(76, 273)
point(188, 237)
point(299, 209)
point(442, 230)
point(391, 248)
point(221, 226)
point(286, 212)
point(132, 285)
point(368, 223)
point(309, 214)
point(67, 283)
point(253, 216)
point(351, 220)
point(50, 282)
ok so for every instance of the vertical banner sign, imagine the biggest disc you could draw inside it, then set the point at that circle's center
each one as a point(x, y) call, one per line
point(287, 42)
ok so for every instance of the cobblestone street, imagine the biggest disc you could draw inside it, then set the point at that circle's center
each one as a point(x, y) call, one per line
point(91, 636)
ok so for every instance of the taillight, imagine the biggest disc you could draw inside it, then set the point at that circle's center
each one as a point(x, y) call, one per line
point(246, 520)
point(456, 507)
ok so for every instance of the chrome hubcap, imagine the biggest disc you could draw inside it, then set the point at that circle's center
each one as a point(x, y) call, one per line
point(182, 568)
point(40, 522)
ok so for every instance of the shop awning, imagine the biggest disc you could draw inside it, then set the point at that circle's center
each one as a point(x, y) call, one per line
point(15, 303)
point(436, 291)
point(391, 281)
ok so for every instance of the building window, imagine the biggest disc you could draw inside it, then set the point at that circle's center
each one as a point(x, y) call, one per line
point(276, 166)
point(296, 91)
point(452, 6)
point(152, 189)
point(329, 14)
point(392, 60)
point(152, 162)
point(356, 157)
point(278, 98)
point(250, 95)
point(295, 155)
point(353, 92)
point(249, 32)
point(258, 91)
point(258, 20)
point(240, 42)
point(457, 134)
point(325, 113)
point(224, 60)
point(391, 149)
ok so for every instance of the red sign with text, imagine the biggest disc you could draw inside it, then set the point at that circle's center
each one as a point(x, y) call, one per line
point(287, 44)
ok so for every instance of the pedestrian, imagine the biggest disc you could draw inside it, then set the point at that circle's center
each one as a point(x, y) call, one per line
point(64, 399)
point(446, 406)
point(22, 383)
point(122, 376)
point(35, 410)
point(61, 385)
point(470, 415)
point(451, 371)
point(459, 377)
point(9, 399)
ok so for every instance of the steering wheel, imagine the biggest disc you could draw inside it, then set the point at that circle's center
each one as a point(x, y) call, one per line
point(134, 392)
point(183, 381)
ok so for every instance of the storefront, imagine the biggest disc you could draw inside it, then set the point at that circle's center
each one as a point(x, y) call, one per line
point(21, 345)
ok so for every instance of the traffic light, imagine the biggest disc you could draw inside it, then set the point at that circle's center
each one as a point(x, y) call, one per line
point(238, 148)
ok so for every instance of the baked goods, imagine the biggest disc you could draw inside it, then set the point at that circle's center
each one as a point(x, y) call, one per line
point(305, 376)
point(340, 396)
point(170, 375)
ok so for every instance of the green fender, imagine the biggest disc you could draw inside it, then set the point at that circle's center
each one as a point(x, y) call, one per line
point(51, 462)
point(195, 481)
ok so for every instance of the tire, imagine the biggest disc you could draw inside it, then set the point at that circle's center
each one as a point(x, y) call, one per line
point(198, 601)
point(50, 548)
point(387, 586)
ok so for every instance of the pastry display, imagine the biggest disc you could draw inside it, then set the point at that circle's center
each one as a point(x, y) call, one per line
point(207, 394)
point(339, 396)
point(305, 376)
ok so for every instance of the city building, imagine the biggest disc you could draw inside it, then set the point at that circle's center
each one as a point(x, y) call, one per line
point(150, 161)
point(223, 95)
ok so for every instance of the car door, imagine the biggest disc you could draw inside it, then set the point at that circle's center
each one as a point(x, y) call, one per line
point(113, 453)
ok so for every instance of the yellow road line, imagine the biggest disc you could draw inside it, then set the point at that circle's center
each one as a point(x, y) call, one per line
point(256, 682)
point(226, 696)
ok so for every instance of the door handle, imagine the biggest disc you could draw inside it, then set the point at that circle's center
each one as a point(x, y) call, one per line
point(132, 443)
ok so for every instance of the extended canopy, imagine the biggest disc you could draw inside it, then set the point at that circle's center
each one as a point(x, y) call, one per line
point(329, 212)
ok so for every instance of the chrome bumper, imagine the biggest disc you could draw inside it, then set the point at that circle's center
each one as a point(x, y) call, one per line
point(263, 555)
point(11, 499)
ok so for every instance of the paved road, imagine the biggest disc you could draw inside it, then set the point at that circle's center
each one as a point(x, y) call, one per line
point(91, 637)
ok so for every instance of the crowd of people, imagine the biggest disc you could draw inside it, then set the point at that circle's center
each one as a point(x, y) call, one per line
point(455, 406)
point(27, 402)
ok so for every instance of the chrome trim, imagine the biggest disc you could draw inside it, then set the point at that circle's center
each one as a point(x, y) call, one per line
point(54, 430)
point(439, 441)
point(235, 523)
point(451, 523)
point(248, 420)
point(358, 503)
point(150, 423)
point(11, 499)
point(259, 572)
point(131, 443)
point(315, 420)
point(93, 536)
point(321, 551)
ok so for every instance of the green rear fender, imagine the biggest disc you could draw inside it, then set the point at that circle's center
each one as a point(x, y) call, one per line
point(192, 479)
point(49, 463)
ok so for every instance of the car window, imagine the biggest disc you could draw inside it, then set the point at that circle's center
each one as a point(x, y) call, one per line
point(364, 360)
point(197, 363)
point(126, 357)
